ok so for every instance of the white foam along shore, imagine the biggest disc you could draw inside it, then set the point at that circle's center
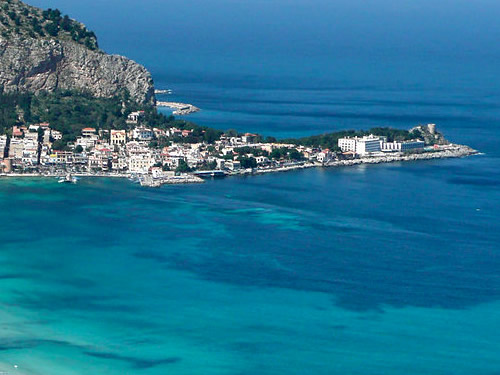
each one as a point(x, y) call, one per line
point(443, 152)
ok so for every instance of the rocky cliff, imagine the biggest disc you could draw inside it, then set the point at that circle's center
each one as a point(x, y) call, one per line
point(41, 50)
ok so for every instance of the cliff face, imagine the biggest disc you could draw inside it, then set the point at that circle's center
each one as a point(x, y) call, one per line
point(58, 59)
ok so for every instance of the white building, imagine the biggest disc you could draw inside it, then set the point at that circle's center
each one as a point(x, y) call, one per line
point(3, 145)
point(134, 117)
point(402, 146)
point(140, 163)
point(142, 134)
point(30, 151)
point(391, 146)
point(361, 146)
point(324, 156)
point(58, 158)
point(88, 132)
point(367, 145)
point(232, 165)
point(347, 144)
point(56, 135)
point(262, 160)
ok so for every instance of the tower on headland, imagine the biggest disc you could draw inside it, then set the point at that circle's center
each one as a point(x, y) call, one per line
point(432, 128)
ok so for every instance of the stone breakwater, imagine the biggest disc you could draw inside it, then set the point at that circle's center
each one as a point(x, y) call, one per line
point(149, 181)
point(444, 152)
point(450, 151)
point(180, 109)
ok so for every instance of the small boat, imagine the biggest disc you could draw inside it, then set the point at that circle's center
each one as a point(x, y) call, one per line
point(68, 179)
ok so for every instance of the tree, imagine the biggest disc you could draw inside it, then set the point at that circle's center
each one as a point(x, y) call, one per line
point(79, 149)
point(183, 167)
point(58, 145)
point(277, 153)
point(66, 23)
point(52, 29)
point(295, 155)
point(247, 162)
point(232, 133)
point(211, 135)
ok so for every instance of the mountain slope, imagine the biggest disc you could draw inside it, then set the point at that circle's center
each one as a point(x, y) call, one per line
point(45, 51)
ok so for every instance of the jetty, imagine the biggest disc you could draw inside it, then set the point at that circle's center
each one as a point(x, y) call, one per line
point(210, 174)
point(150, 181)
point(180, 109)
point(163, 91)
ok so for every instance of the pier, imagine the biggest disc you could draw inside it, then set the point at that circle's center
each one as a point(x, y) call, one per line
point(150, 181)
point(210, 174)
point(180, 109)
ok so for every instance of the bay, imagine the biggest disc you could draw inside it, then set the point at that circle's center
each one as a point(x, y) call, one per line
point(383, 269)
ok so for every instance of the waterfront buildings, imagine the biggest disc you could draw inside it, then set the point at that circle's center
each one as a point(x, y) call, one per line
point(141, 148)
point(373, 144)
point(16, 149)
point(361, 145)
point(402, 146)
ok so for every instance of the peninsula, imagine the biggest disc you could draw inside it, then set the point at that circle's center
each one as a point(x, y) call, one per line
point(68, 107)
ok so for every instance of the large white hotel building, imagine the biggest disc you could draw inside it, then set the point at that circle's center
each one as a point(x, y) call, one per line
point(372, 144)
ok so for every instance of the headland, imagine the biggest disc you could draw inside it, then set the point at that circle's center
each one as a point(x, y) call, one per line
point(67, 107)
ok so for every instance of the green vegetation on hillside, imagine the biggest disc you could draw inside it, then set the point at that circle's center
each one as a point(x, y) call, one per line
point(17, 18)
point(70, 112)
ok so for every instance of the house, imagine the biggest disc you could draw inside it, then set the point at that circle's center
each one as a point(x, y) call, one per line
point(324, 156)
point(249, 138)
point(17, 132)
point(140, 163)
point(174, 132)
point(142, 134)
point(88, 132)
point(232, 165)
point(135, 117)
point(3, 145)
point(58, 158)
point(56, 135)
point(118, 137)
point(16, 148)
point(261, 160)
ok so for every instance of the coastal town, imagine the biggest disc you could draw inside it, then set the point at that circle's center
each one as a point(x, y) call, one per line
point(155, 156)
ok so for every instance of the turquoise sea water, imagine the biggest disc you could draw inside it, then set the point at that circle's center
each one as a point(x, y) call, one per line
point(385, 269)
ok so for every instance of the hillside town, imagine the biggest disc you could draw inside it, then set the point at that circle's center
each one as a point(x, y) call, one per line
point(156, 156)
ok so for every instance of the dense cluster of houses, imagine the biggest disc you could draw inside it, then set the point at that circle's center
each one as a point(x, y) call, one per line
point(133, 151)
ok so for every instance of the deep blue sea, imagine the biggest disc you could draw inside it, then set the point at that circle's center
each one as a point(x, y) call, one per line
point(385, 269)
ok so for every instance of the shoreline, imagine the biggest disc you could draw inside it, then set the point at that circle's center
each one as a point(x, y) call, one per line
point(455, 151)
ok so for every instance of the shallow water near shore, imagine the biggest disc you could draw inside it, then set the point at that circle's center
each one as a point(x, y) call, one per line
point(313, 271)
